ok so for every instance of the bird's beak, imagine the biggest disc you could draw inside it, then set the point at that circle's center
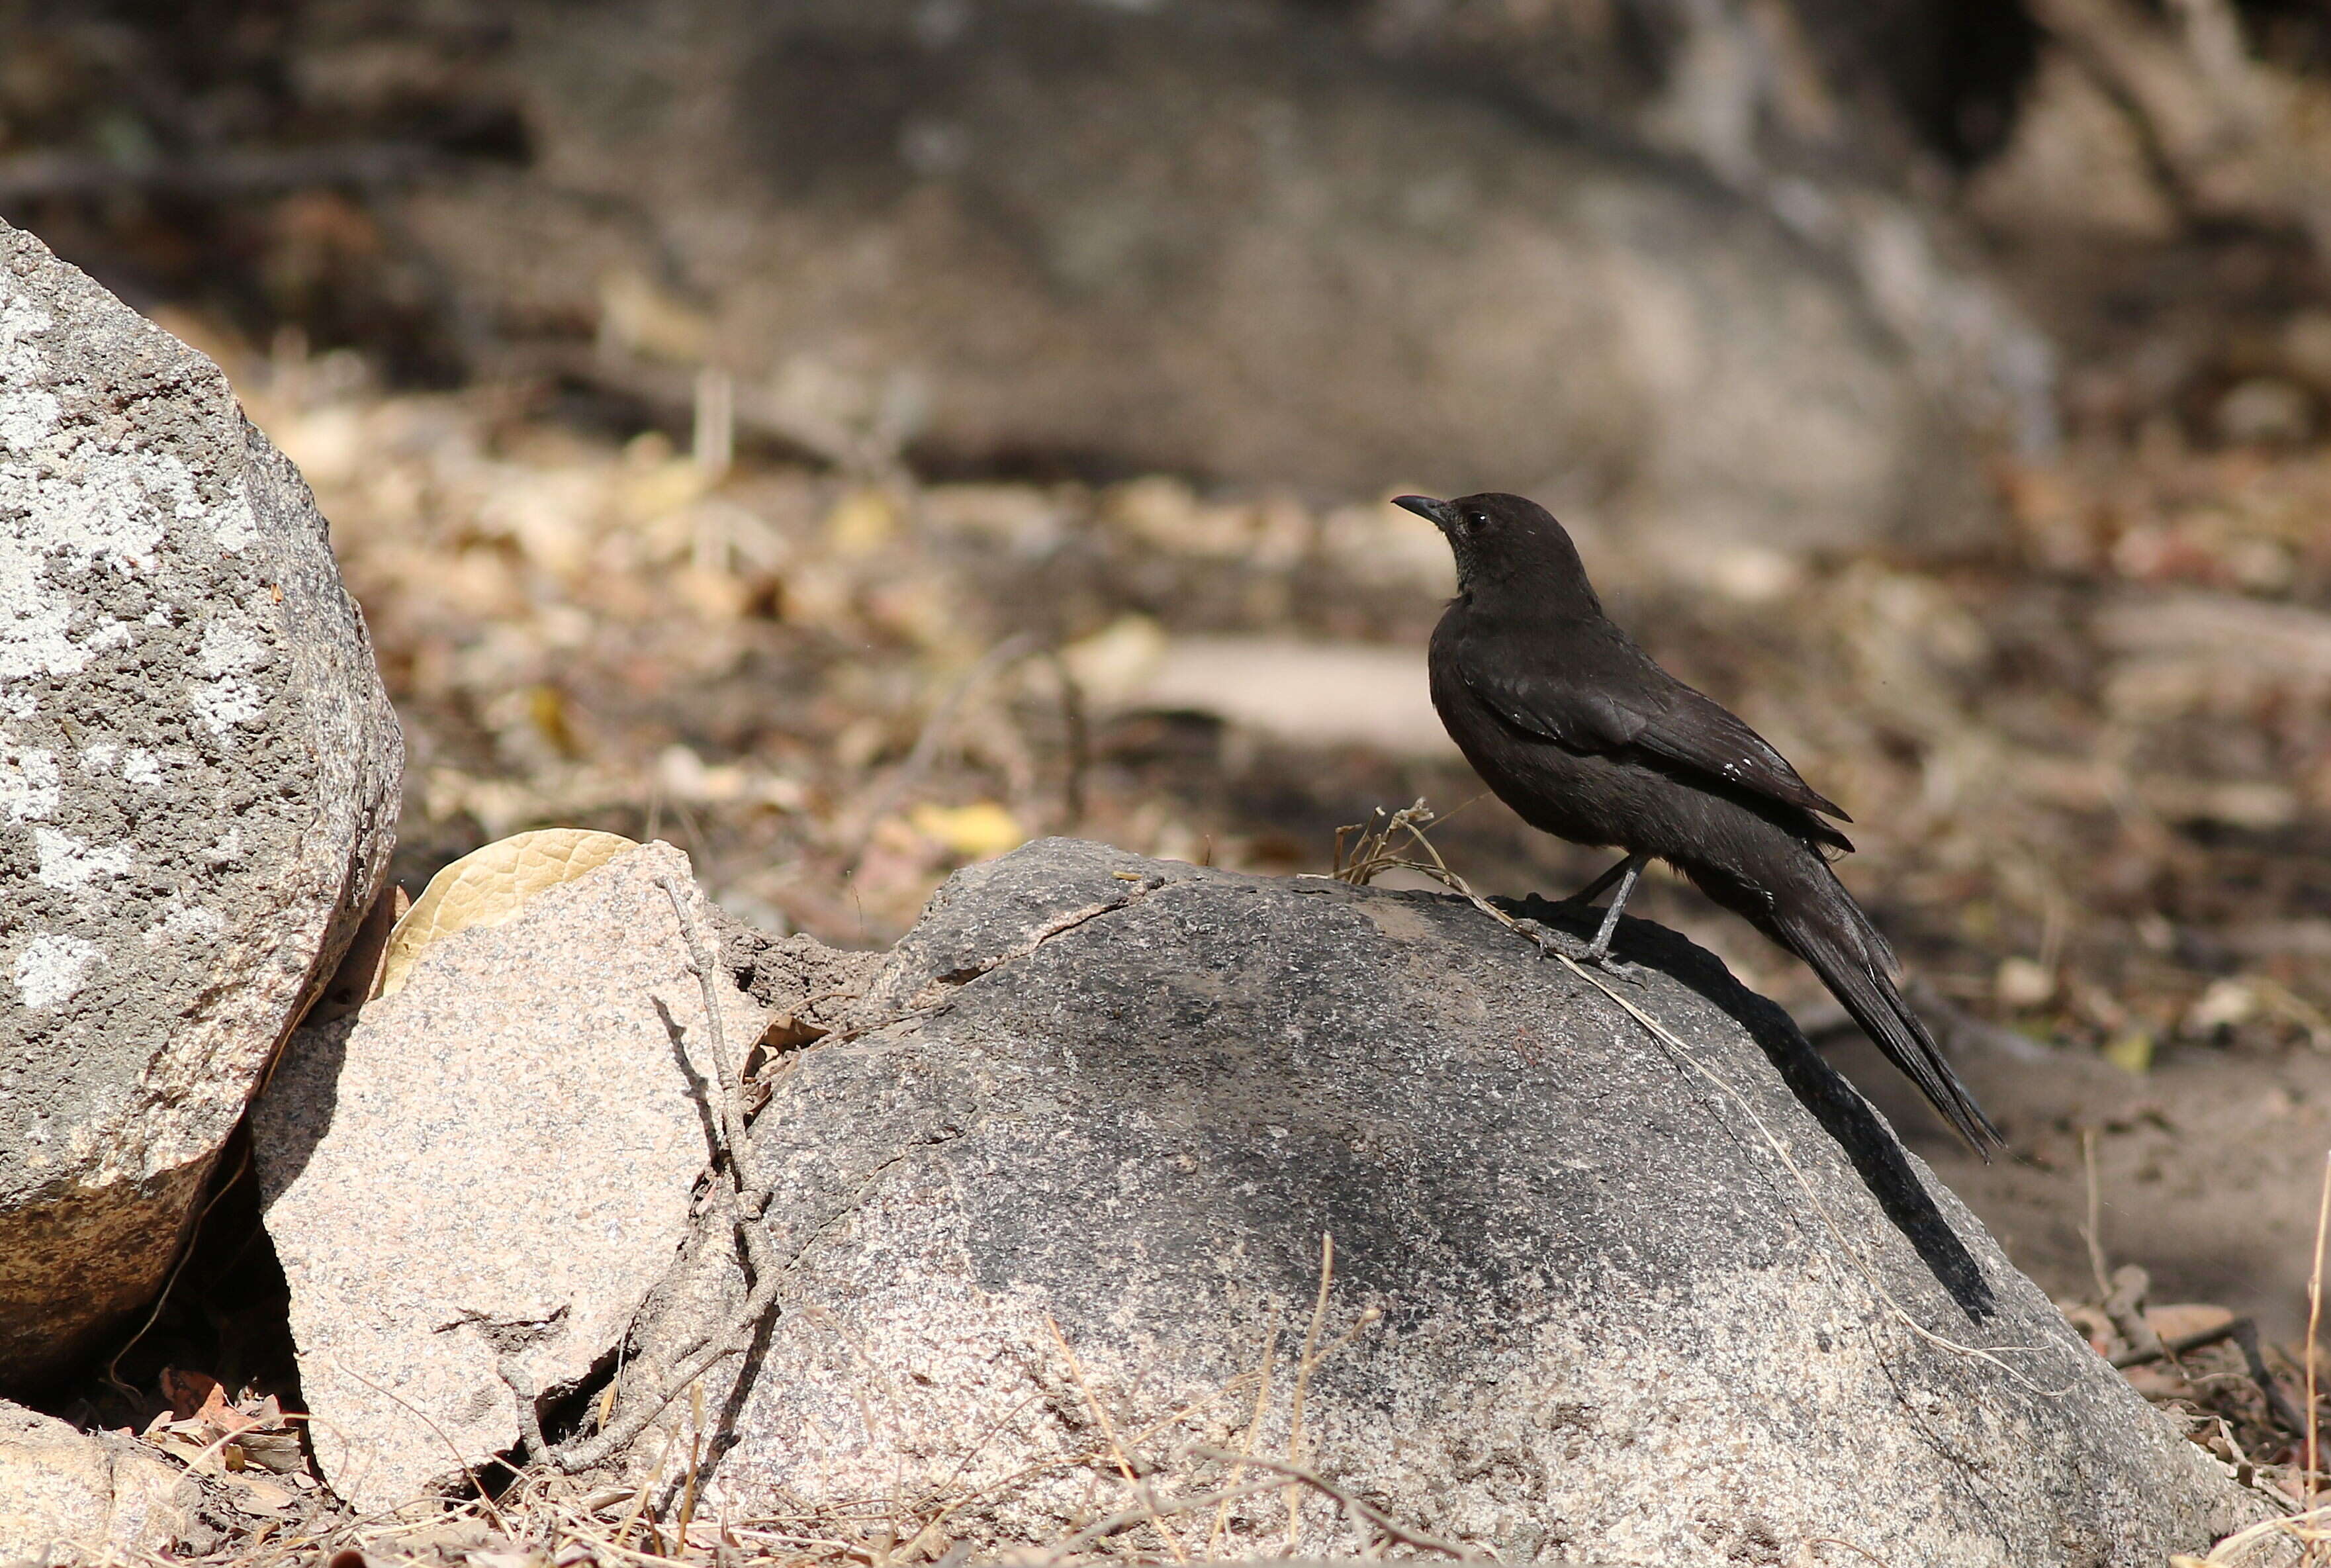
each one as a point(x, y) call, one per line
point(1439, 514)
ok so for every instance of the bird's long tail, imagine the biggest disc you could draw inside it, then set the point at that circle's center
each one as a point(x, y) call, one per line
point(1834, 936)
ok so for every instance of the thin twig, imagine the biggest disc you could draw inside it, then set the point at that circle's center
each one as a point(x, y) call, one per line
point(186, 1255)
point(1108, 1431)
point(2124, 1305)
point(1303, 1386)
point(2314, 1319)
point(484, 1499)
point(1359, 1507)
point(731, 1108)
point(936, 726)
point(2168, 1349)
point(1151, 1513)
point(2092, 1232)
point(744, 1196)
point(1253, 1426)
point(522, 1389)
point(583, 1455)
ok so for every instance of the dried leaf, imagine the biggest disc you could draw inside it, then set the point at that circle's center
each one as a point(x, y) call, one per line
point(2021, 982)
point(861, 522)
point(259, 1494)
point(276, 1452)
point(2187, 1318)
point(979, 831)
point(222, 1417)
point(187, 1392)
point(1119, 659)
point(488, 886)
point(2132, 1052)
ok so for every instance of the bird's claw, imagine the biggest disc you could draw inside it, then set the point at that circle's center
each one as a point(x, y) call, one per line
point(1550, 940)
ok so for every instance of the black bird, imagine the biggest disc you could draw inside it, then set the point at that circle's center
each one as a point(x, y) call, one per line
point(1582, 734)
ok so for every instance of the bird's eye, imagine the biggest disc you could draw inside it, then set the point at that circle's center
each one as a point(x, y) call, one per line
point(1477, 519)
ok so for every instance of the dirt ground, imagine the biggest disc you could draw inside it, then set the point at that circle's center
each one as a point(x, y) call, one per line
point(2205, 1168)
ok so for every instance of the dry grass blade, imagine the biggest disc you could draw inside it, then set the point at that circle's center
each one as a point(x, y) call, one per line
point(933, 733)
point(485, 1498)
point(1371, 852)
point(1358, 1507)
point(640, 1503)
point(695, 1453)
point(1303, 1387)
point(1151, 1513)
point(1780, 1151)
point(2234, 1551)
point(1253, 1427)
point(2091, 1233)
point(2313, 1324)
point(1108, 1431)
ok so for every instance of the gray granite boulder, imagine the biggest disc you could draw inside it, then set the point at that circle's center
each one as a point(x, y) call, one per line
point(198, 791)
point(1053, 1214)
point(1193, 238)
point(474, 1183)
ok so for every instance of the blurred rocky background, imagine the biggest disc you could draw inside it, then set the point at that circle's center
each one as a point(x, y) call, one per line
point(848, 438)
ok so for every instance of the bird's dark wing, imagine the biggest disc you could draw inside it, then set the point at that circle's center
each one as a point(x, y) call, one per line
point(1582, 708)
point(1700, 732)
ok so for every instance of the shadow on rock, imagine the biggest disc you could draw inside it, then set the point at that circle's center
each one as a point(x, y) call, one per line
point(1875, 1153)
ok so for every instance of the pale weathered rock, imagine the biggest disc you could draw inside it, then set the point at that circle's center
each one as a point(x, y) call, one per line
point(496, 1159)
point(70, 1496)
point(1196, 240)
point(1130, 1098)
point(199, 790)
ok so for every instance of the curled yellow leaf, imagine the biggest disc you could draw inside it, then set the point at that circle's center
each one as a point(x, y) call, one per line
point(487, 887)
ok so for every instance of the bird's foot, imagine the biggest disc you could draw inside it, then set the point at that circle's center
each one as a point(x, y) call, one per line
point(1577, 951)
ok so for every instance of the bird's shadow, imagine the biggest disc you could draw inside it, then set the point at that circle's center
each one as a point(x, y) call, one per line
point(1876, 1154)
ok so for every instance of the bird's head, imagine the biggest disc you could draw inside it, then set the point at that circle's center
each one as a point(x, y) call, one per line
point(1510, 548)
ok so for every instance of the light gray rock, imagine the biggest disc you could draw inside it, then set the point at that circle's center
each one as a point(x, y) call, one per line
point(198, 791)
point(1197, 239)
point(496, 1159)
point(1593, 1297)
point(71, 1496)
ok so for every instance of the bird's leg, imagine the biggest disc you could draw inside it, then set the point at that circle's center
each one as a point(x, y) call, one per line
point(1593, 890)
point(1598, 952)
